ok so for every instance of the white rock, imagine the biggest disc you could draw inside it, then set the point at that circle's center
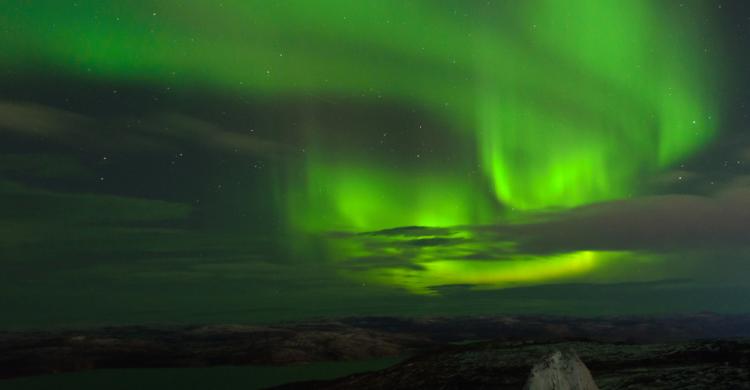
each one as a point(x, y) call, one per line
point(560, 371)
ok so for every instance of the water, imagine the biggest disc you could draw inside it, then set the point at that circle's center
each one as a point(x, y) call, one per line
point(223, 377)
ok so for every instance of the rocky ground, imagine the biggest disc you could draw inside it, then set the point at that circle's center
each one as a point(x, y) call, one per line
point(506, 365)
point(646, 349)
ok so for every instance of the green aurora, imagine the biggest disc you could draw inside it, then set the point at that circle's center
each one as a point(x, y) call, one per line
point(568, 103)
point(552, 105)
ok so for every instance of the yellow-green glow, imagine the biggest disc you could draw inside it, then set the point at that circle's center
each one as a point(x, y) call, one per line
point(421, 263)
point(515, 271)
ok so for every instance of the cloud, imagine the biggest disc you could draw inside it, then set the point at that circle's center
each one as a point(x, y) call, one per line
point(666, 236)
point(165, 131)
point(64, 221)
point(69, 128)
point(207, 134)
point(648, 223)
point(42, 165)
point(38, 120)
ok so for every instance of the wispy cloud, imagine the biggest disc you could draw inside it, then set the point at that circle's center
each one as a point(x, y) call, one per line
point(157, 132)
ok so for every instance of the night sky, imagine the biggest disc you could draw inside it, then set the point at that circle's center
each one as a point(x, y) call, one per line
point(257, 161)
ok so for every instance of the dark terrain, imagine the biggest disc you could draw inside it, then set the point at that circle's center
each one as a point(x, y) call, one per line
point(506, 365)
point(448, 352)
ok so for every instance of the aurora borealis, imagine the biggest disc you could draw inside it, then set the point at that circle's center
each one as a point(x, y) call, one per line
point(264, 156)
